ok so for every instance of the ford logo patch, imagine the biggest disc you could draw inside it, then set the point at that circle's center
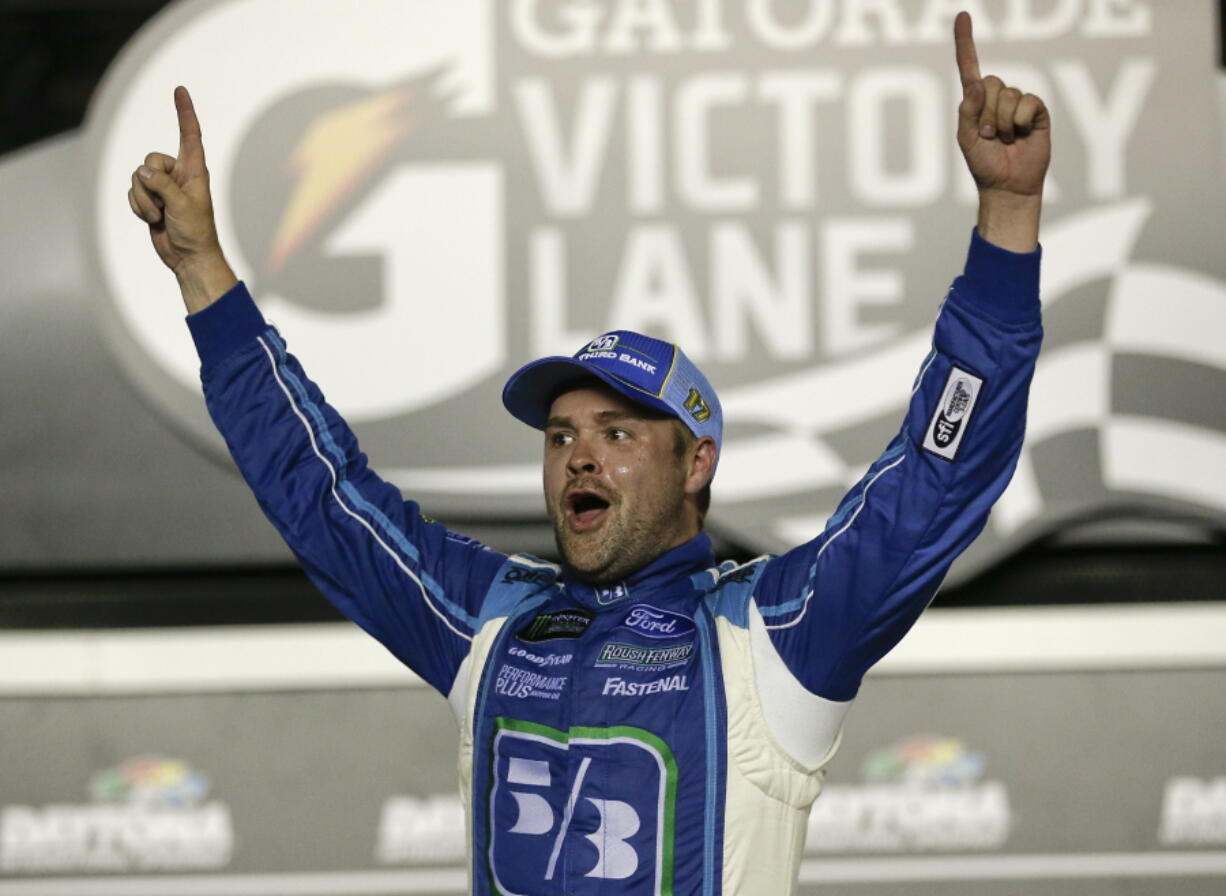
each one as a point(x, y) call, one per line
point(656, 623)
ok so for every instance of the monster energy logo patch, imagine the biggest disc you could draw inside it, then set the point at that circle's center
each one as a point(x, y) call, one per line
point(551, 626)
point(614, 653)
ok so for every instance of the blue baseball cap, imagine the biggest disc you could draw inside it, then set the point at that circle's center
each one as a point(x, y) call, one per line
point(648, 371)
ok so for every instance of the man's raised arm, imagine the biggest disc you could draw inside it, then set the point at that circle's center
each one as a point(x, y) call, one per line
point(405, 579)
point(832, 607)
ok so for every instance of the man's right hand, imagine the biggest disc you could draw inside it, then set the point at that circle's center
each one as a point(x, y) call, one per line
point(172, 196)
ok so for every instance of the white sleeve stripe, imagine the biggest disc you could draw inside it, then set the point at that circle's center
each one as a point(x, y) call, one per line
point(851, 519)
point(340, 503)
point(525, 560)
point(919, 379)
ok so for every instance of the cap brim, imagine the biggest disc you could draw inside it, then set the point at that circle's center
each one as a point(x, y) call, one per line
point(531, 390)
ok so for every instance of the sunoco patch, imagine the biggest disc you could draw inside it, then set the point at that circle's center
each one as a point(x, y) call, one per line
point(952, 416)
point(554, 626)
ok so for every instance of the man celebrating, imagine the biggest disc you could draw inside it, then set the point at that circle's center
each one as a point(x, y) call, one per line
point(638, 720)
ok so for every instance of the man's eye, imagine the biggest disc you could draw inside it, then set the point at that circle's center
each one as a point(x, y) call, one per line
point(618, 435)
point(558, 438)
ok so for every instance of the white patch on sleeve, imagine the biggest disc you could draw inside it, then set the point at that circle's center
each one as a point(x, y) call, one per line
point(463, 693)
point(458, 696)
point(803, 724)
point(952, 415)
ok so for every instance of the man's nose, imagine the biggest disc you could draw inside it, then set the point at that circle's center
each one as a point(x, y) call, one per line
point(583, 458)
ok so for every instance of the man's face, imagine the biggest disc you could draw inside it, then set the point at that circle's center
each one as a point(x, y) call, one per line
point(614, 483)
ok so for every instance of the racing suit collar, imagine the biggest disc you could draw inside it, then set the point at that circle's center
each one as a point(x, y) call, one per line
point(659, 577)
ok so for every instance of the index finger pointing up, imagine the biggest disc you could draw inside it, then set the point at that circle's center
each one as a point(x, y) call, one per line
point(964, 50)
point(191, 147)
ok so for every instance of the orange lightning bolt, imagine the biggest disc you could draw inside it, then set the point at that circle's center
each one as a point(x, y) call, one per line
point(337, 153)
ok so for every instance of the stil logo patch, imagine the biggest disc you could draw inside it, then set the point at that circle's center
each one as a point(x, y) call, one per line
point(949, 422)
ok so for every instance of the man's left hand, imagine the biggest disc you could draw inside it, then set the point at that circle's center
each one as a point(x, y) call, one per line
point(1004, 134)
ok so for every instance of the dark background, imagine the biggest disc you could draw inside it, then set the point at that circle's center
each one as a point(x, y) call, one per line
point(53, 52)
point(52, 55)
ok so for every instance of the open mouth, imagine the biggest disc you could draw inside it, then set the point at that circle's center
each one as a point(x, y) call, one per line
point(585, 510)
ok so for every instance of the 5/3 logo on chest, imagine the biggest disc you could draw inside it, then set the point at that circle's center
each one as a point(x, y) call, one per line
point(656, 623)
point(561, 822)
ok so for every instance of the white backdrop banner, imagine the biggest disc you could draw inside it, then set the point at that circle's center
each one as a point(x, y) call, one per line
point(423, 196)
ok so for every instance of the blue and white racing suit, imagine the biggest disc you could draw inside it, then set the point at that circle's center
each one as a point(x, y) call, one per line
point(666, 735)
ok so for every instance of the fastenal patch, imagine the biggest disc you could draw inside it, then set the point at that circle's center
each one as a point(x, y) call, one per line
point(551, 626)
point(619, 687)
point(636, 657)
point(953, 414)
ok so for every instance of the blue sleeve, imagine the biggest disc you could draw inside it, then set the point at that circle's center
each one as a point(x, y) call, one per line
point(836, 605)
point(404, 579)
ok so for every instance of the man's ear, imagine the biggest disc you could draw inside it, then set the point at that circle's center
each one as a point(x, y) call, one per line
point(702, 465)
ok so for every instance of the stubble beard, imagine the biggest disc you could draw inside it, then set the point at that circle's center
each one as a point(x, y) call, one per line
point(622, 545)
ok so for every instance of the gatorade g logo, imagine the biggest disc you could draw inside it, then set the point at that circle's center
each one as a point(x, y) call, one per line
point(953, 414)
point(551, 786)
point(373, 244)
